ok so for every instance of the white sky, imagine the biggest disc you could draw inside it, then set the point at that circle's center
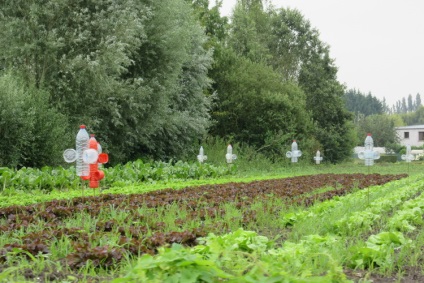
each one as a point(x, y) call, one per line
point(378, 45)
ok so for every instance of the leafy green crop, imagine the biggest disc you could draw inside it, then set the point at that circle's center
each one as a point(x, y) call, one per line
point(364, 220)
point(48, 179)
point(241, 256)
point(380, 249)
point(174, 265)
point(409, 216)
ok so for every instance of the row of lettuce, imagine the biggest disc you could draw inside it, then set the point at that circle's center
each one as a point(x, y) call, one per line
point(59, 178)
point(361, 239)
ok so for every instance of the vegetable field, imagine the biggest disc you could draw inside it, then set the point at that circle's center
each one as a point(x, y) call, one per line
point(317, 228)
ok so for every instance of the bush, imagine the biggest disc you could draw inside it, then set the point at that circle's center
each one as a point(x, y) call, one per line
point(33, 132)
point(387, 159)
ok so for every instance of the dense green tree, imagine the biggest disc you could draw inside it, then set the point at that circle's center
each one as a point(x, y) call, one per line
point(173, 65)
point(315, 73)
point(404, 107)
point(136, 72)
point(333, 127)
point(358, 102)
point(382, 128)
point(284, 40)
point(291, 41)
point(133, 71)
point(249, 30)
point(33, 133)
point(255, 105)
point(415, 117)
point(216, 26)
point(417, 103)
point(386, 108)
point(410, 106)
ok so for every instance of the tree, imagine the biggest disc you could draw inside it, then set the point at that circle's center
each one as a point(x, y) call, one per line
point(133, 71)
point(386, 108)
point(324, 93)
point(414, 118)
point(250, 25)
point(33, 133)
point(404, 107)
point(358, 102)
point(298, 46)
point(255, 105)
point(410, 106)
point(285, 41)
point(216, 27)
point(417, 101)
point(382, 128)
point(173, 65)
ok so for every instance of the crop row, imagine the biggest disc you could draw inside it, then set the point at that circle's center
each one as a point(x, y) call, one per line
point(392, 218)
point(102, 231)
point(363, 220)
point(379, 249)
point(293, 262)
point(59, 178)
point(239, 256)
point(359, 198)
point(313, 258)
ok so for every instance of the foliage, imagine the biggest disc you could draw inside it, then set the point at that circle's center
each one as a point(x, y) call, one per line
point(216, 27)
point(364, 220)
point(172, 67)
point(316, 75)
point(250, 30)
point(414, 118)
point(101, 236)
point(403, 107)
point(48, 179)
point(379, 249)
point(139, 171)
point(212, 261)
point(33, 133)
point(395, 148)
point(133, 71)
point(387, 158)
point(358, 102)
point(174, 264)
point(152, 78)
point(381, 127)
point(256, 105)
point(409, 216)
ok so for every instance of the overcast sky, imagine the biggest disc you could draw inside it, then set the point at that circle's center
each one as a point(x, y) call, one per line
point(378, 45)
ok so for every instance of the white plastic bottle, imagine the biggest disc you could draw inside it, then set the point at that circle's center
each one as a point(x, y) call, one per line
point(230, 156)
point(369, 142)
point(369, 153)
point(83, 168)
point(201, 157)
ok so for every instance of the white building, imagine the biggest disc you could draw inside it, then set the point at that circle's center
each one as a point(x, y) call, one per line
point(412, 135)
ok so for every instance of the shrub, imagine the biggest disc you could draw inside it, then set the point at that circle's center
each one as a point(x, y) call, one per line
point(387, 159)
point(33, 132)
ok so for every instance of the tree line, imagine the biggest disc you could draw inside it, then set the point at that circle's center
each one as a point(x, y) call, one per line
point(407, 105)
point(153, 79)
